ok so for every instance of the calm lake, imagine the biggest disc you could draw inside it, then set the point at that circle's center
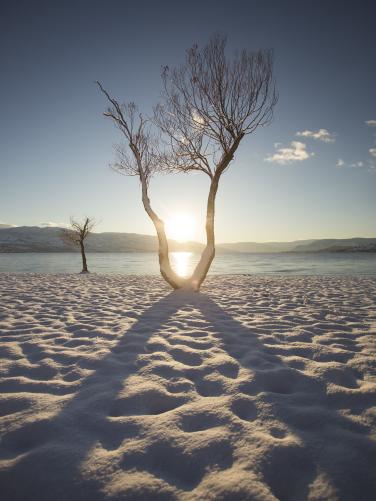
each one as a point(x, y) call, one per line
point(183, 262)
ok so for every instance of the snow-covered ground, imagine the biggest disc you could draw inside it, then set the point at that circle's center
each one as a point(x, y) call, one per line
point(258, 388)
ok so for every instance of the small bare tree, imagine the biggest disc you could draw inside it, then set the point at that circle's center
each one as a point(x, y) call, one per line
point(209, 105)
point(76, 234)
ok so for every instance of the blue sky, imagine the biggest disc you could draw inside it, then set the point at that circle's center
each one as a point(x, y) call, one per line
point(56, 146)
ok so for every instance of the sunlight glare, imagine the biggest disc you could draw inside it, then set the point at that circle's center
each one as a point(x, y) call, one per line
point(180, 227)
point(180, 262)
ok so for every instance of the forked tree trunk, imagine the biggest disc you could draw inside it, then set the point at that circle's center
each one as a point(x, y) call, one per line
point(199, 274)
point(194, 282)
point(84, 264)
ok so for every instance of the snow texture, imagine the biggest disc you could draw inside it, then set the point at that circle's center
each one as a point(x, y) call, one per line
point(257, 388)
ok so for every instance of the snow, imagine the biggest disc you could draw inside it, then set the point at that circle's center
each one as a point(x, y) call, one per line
point(257, 388)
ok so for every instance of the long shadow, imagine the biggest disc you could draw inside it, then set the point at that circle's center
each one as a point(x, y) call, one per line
point(53, 470)
point(328, 441)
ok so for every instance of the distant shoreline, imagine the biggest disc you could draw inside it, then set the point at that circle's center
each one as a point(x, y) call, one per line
point(32, 239)
point(226, 263)
point(219, 251)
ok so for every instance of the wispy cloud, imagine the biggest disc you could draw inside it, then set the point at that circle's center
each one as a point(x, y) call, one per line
point(321, 134)
point(296, 152)
point(368, 165)
point(372, 123)
point(340, 163)
point(354, 165)
point(51, 224)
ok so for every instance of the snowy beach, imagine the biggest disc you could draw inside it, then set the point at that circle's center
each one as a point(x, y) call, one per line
point(258, 388)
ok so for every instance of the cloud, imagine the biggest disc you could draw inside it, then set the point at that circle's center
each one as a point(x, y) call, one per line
point(340, 163)
point(371, 167)
point(366, 164)
point(321, 134)
point(369, 164)
point(356, 165)
point(198, 119)
point(51, 224)
point(295, 153)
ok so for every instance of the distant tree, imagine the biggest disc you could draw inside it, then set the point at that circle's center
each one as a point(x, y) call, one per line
point(76, 234)
point(209, 105)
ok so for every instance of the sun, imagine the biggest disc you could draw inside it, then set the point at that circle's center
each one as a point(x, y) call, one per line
point(180, 227)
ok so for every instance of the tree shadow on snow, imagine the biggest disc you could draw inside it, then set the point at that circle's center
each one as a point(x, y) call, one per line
point(49, 455)
point(328, 443)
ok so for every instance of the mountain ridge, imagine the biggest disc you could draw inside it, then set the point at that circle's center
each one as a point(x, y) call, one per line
point(36, 239)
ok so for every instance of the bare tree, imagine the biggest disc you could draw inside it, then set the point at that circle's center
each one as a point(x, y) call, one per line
point(209, 105)
point(143, 162)
point(76, 234)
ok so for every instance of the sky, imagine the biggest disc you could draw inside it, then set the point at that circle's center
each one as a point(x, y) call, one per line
point(310, 174)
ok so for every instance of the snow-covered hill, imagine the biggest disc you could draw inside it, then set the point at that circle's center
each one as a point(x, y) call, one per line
point(36, 239)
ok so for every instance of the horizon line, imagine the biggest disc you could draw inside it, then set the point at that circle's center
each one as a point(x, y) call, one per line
point(10, 226)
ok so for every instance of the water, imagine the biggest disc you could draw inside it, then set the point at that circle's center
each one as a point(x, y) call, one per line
point(183, 262)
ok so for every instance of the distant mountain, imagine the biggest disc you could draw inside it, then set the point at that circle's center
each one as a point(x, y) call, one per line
point(246, 247)
point(338, 245)
point(320, 245)
point(36, 239)
point(3, 225)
